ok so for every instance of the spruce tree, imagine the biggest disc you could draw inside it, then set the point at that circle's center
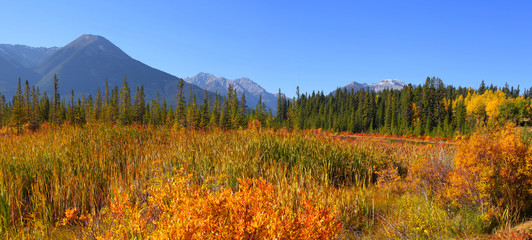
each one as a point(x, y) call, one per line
point(192, 116)
point(482, 87)
point(113, 109)
point(204, 115)
point(106, 109)
point(280, 107)
point(225, 115)
point(70, 108)
point(243, 110)
point(181, 105)
point(406, 108)
point(460, 115)
point(17, 117)
point(125, 103)
point(215, 115)
point(139, 104)
point(34, 121)
point(44, 108)
point(27, 101)
point(56, 103)
point(260, 112)
point(427, 106)
point(97, 106)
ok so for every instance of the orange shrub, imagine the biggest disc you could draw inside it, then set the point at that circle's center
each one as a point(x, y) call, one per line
point(491, 173)
point(177, 209)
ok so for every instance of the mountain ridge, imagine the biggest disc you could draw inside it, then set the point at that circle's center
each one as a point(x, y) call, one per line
point(85, 64)
point(379, 86)
point(242, 85)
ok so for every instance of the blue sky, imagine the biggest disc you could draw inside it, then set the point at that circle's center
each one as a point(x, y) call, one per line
point(317, 45)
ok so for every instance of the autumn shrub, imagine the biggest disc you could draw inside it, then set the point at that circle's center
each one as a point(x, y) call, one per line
point(429, 172)
point(492, 173)
point(514, 235)
point(178, 209)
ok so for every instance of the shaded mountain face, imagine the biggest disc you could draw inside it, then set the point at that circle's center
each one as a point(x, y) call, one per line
point(18, 61)
point(86, 63)
point(242, 85)
point(27, 57)
point(10, 72)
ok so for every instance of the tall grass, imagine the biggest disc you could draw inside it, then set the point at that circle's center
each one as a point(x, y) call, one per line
point(45, 173)
point(376, 187)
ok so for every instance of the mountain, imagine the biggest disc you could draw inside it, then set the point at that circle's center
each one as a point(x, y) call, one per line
point(355, 86)
point(28, 57)
point(388, 84)
point(383, 84)
point(242, 85)
point(84, 65)
point(87, 62)
point(17, 61)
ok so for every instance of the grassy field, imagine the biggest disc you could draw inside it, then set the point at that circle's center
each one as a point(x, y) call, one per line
point(141, 182)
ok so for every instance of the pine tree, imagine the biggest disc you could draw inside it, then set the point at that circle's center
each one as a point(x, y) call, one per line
point(163, 111)
point(225, 115)
point(215, 115)
point(27, 102)
point(482, 87)
point(139, 104)
point(243, 110)
point(79, 113)
point(181, 105)
point(70, 108)
point(260, 111)
point(292, 116)
point(113, 109)
point(406, 108)
point(56, 103)
point(106, 104)
point(88, 109)
point(97, 106)
point(368, 110)
point(204, 115)
point(125, 103)
point(192, 116)
point(427, 106)
point(281, 107)
point(388, 117)
point(232, 102)
point(44, 108)
point(460, 115)
point(17, 117)
point(34, 121)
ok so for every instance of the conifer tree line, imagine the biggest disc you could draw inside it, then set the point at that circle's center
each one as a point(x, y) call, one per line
point(429, 109)
point(115, 105)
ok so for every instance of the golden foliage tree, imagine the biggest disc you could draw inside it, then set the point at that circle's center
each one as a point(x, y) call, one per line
point(492, 172)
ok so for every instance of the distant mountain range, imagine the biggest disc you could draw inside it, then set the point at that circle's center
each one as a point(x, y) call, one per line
point(383, 84)
point(242, 85)
point(86, 63)
point(83, 66)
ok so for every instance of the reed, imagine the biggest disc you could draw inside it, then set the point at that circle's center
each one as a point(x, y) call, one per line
point(371, 186)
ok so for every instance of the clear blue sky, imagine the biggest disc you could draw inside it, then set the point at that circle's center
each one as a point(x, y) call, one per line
point(318, 45)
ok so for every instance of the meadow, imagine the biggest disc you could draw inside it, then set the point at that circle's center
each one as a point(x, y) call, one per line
point(143, 182)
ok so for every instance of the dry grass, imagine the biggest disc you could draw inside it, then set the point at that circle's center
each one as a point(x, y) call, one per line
point(375, 188)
